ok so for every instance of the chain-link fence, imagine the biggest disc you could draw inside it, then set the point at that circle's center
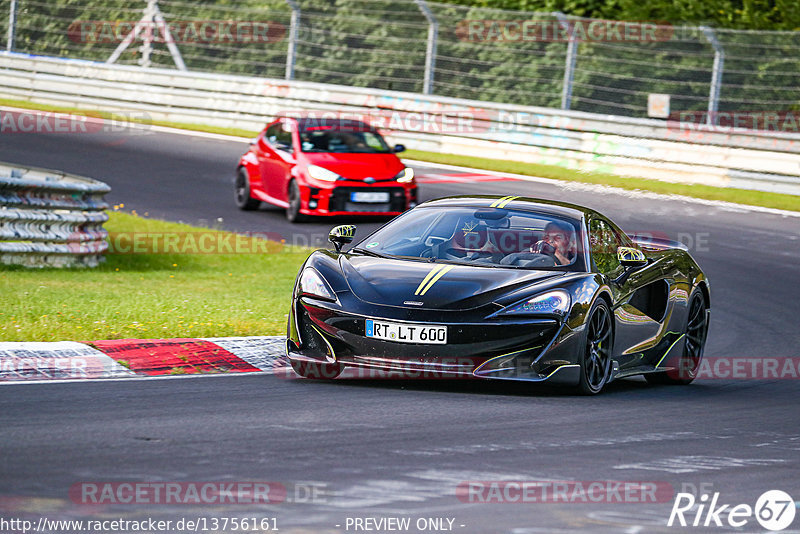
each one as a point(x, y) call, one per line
point(526, 58)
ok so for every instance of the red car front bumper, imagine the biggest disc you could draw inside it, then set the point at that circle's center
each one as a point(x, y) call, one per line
point(338, 200)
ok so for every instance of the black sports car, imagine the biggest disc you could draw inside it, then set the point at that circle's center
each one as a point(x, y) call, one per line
point(505, 288)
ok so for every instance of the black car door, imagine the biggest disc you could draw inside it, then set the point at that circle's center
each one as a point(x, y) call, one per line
point(639, 301)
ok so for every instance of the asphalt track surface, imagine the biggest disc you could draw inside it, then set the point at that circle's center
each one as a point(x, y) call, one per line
point(400, 449)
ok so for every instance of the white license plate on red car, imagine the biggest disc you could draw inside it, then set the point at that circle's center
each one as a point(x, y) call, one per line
point(407, 333)
point(369, 196)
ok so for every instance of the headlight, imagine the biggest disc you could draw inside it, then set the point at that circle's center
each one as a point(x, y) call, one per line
point(311, 283)
point(554, 302)
point(405, 176)
point(321, 173)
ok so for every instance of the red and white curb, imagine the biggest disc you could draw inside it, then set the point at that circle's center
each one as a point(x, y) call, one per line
point(126, 358)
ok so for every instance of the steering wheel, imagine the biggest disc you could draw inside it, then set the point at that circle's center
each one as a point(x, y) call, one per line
point(443, 254)
point(529, 259)
point(543, 247)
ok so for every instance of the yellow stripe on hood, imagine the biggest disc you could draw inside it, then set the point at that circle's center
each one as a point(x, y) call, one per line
point(436, 279)
point(427, 278)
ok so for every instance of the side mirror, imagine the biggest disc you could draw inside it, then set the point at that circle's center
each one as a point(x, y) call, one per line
point(342, 235)
point(399, 148)
point(631, 257)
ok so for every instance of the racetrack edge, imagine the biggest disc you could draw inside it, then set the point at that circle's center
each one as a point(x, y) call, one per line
point(130, 358)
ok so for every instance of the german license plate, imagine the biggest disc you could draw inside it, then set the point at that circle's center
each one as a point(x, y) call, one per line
point(369, 196)
point(407, 333)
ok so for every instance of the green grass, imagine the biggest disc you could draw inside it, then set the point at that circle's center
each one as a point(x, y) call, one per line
point(151, 295)
point(739, 196)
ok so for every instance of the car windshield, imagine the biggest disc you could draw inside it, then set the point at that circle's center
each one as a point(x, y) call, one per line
point(480, 236)
point(343, 141)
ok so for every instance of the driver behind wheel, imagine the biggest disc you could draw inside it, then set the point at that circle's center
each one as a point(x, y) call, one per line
point(558, 241)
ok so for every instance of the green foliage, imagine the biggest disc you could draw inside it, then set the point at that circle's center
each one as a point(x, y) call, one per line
point(349, 42)
point(738, 14)
point(56, 29)
point(382, 44)
point(483, 66)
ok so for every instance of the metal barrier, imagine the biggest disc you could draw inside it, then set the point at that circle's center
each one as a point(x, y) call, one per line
point(649, 148)
point(51, 219)
point(548, 59)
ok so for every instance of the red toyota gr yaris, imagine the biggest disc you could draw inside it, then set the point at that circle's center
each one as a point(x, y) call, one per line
point(324, 167)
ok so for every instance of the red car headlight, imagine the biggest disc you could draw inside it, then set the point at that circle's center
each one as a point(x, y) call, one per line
point(405, 176)
point(321, 173)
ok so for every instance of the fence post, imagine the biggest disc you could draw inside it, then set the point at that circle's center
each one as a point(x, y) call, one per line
point(716, 73)
point(569, 65)
point(430, 51)
point(12, 26)
point(151, 19)
point(291, 52)
point(147, 44)
point(158, 17)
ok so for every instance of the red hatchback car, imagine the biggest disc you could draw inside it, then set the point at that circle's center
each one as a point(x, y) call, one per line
point(331, 167)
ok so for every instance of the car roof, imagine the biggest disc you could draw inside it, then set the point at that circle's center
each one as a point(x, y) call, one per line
point(552, 207)
point(306, 123)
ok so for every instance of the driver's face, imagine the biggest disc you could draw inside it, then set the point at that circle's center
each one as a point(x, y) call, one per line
point(557, 239)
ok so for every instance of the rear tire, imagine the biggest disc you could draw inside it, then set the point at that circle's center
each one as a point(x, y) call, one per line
point(241, 193)
point(317, 371)
point(695, 340)
point(293, 210)
point(596, 359)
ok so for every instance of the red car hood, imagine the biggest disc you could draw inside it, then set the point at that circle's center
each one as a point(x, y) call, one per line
point(357, 166)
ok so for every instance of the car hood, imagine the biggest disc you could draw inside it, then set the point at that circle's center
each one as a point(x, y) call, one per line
point(357, 166)
point(394, 282)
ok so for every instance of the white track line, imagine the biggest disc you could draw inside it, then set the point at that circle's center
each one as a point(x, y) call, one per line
point(135, 378)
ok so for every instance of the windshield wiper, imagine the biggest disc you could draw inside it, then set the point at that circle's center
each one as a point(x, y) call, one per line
point(478, 264)
point(368, 252)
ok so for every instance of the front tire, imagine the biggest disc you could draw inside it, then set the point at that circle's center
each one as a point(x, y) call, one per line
point(596, 359)
point(695, 342)
point(242, 192)
point(317, 371)
point(293, 210)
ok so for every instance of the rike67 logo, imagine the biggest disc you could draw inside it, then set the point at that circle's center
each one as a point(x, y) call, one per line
point(774, 510)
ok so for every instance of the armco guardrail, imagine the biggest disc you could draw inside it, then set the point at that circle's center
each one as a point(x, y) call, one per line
point(766, 161)
point(51, 219)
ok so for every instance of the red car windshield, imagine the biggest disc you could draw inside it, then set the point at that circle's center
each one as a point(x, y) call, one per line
point(343, 141)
